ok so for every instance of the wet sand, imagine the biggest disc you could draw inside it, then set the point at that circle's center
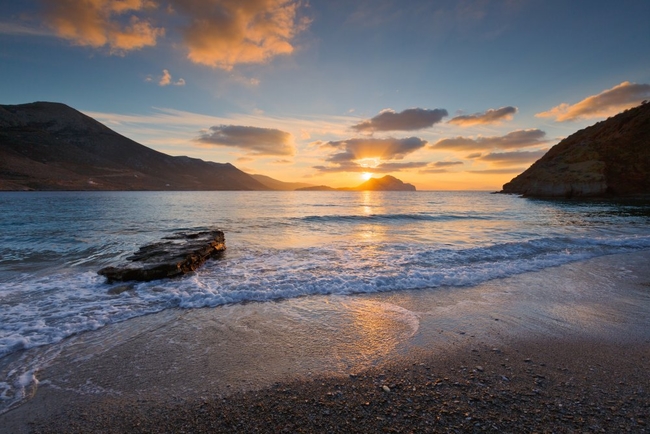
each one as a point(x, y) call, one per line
point(565, 349)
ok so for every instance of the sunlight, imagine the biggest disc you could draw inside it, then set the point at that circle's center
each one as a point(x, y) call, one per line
point(366, 176)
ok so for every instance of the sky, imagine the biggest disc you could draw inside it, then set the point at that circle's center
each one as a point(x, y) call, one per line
point(446, 95)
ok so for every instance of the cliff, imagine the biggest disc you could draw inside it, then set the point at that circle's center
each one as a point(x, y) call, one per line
point(50, 146)
point(610, 158)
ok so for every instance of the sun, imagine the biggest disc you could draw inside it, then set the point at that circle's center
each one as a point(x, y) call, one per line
point(366, 175)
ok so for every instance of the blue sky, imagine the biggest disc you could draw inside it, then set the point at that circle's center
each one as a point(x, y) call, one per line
point(443, 94)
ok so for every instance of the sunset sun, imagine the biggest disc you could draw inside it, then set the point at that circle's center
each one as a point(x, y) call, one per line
point(366, 176)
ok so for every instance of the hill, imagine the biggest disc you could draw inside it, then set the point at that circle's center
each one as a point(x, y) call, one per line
point(50, 146)
point(610, 158)
point(275, 184)
point(387, 183)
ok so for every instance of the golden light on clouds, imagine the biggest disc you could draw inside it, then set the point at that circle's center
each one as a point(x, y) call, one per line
point(216, 33)
point(99, 23)
point(607, 103)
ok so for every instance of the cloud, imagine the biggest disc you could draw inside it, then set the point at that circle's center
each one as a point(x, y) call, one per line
point(224, 33)
point(446, 163)
point(473, 155)
point(381, 149)
point(9, 28)
point(440, 166)
point(216, 33)
point(166, 80)
point(510, 158)
point(513, 140)
point(607, 103)
point(103, 23)
point(381, 168)
point(407, 120)
point(253, 140)
point(498, 171)
point(491, 116)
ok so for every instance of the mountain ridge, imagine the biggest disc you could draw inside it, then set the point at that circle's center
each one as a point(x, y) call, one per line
point(51, 146)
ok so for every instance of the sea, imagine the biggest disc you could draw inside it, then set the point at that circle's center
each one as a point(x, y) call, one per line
point(280, 245)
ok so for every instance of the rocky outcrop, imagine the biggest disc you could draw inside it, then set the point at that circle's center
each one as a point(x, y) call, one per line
point(176, 255)
point(610, 158)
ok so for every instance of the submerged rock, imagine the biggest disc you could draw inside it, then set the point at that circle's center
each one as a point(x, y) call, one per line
point(177, 255)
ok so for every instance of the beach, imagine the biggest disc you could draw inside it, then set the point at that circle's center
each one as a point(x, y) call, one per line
point(565, 349)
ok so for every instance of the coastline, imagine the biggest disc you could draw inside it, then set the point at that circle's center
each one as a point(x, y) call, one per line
point(319, 363)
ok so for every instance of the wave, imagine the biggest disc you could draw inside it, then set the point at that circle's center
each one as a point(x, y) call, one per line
point(391, 217)
point(66, 303)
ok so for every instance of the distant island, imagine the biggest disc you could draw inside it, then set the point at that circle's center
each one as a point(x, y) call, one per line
point(387, 183)
point(51, 146)
point(608, 159)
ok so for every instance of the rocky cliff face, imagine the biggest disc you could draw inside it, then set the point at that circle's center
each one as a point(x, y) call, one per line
point(610, 158)
point(50, 146)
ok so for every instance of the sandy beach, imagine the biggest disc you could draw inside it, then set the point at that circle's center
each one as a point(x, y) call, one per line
point(566, 349)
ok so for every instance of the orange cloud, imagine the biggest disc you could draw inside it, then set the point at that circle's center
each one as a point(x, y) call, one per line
point(223, 33)
point(166, 80)
point(103, 23)
point(607, 103)
point(491, 116)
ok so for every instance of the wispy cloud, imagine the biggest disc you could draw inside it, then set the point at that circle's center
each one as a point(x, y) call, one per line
point(513, 140)
point(8, 28)
point(253, 140)
point(491, 116)
point(505, 171)
point(118, 25)
point(407, 120)
point(440, 166)
point(512, 158)
point(607, 103)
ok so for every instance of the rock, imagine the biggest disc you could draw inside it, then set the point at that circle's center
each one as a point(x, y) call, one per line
point(610, 158)
point(386, 388)
point(177, 255)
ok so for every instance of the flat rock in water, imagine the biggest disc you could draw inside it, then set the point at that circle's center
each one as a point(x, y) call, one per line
point(175, 256)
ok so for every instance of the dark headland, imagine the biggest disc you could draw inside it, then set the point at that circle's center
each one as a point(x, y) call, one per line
point(608, 159)
point(51, 146)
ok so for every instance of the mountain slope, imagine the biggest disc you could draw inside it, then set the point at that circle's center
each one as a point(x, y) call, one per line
point(275, 184)
point(610, 158)
point(50, 146)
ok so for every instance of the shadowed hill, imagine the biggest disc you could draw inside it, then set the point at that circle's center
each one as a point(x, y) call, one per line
point(610, 158)
point(280, 185)
point(50, 146)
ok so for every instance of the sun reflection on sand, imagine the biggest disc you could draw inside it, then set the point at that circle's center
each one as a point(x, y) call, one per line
point(378, 327)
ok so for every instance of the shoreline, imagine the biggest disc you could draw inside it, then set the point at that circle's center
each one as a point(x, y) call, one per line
point(313, 363)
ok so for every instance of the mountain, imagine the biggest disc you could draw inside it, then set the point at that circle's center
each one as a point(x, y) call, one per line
point(387, 183)
point(610, 158)
point(274, 184)
point(50, 146)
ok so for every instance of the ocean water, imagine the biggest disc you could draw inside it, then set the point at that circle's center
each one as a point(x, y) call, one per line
point(279, 245)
